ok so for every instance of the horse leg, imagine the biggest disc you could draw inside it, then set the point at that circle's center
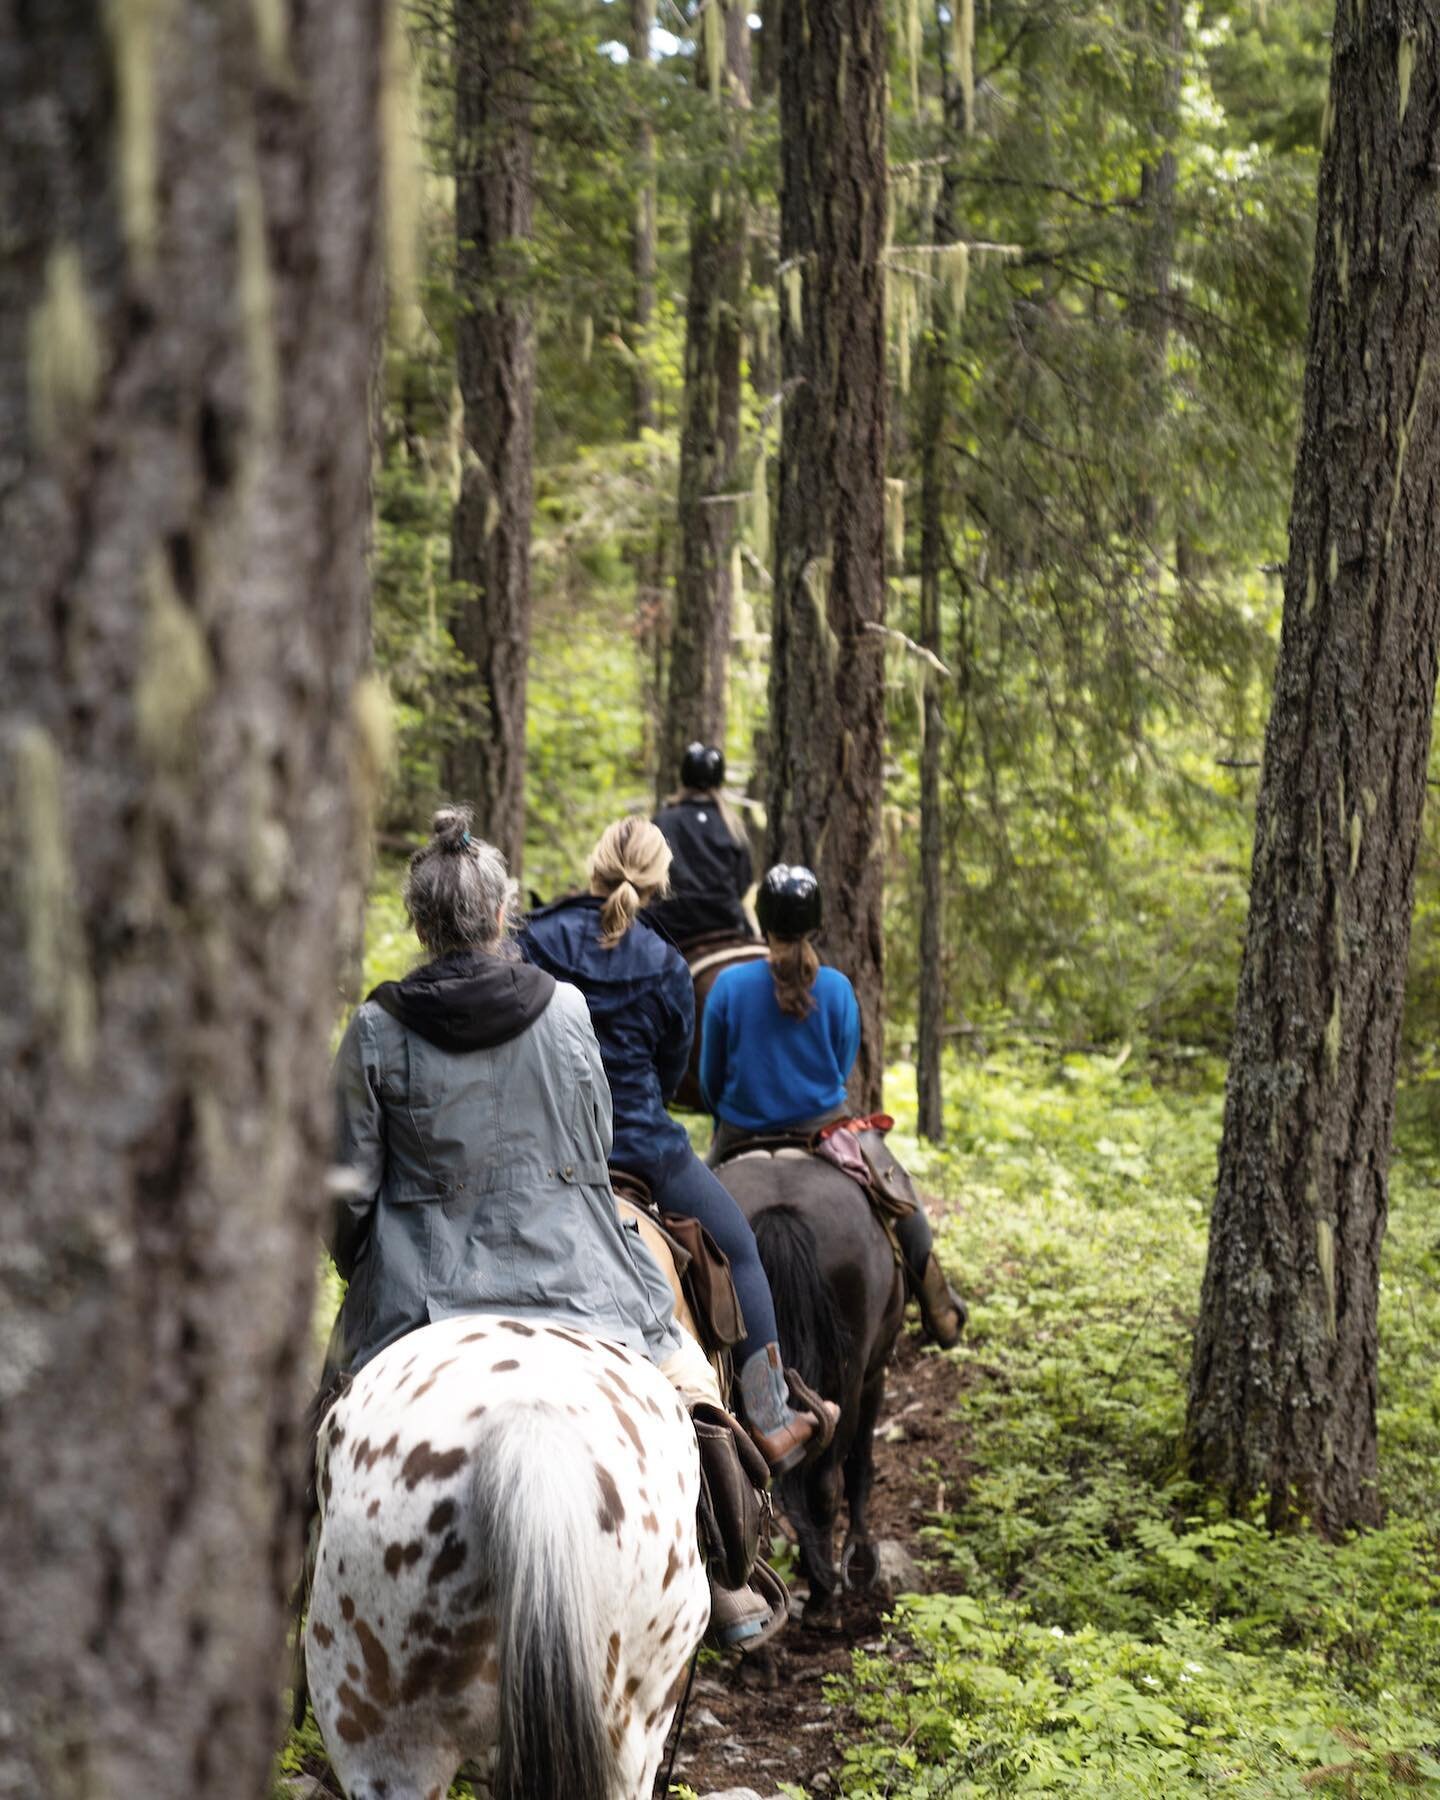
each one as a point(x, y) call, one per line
point(859, 1564)
point(812, 1502)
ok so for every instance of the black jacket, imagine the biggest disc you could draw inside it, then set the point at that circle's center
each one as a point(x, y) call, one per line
point(709, 877)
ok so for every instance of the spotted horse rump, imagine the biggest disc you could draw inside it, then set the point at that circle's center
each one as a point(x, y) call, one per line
point(507, 1573)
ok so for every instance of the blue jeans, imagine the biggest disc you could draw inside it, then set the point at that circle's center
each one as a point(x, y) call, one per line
point(681, 1183)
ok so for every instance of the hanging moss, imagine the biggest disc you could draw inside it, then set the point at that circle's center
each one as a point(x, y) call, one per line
point(401, 133)
point(712, 39)
point(372, 717)
point(962, 26)
point(64, 347)
point(1332, 1038)
point(895, 519)
point(270, 35)
point(1405, 70)
point(816, 582)
point(913, 49)
point(955, 267)
point(256, 300)
point(792, 278)
point(1325, 1256)
point(176, 674)
point(587, 337)
point(61, 983)
point(135, 27)
point(760, 507)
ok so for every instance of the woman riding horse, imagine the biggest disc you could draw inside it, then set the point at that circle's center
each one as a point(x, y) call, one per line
point(642, 1005)
point(778, 1044)
point(474, 1128)
point(710, 869)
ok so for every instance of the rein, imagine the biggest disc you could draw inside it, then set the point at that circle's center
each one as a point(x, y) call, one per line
point(680, 1712)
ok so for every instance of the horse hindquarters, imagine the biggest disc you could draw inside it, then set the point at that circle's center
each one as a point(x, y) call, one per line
point(482, 1602)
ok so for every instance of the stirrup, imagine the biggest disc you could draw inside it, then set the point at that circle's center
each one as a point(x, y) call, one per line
point(826, 1413)
point(765, 1587)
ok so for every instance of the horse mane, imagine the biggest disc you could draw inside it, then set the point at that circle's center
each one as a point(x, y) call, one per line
point(814, 1338)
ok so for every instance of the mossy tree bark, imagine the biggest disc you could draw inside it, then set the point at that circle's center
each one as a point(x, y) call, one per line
point(1283, 1386)
point(827, 669)
point(188, 199)
point(495, 357)
point(642, 242)
point(710, 431)
point(930, 1023)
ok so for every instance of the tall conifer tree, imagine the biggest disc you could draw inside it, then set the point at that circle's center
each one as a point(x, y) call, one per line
point(827, 668)
point(189, 210)
point(495, 357)
point(1283, 1386)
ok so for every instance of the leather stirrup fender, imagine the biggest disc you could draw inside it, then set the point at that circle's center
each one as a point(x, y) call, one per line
point(734, 1498)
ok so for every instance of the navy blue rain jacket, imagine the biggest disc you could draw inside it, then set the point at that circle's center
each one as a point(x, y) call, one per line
point(642, 1005)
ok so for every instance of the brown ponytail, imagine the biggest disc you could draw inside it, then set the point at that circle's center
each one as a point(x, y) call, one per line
point(793, 968)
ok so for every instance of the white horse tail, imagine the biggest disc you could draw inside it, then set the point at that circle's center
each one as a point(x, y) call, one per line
point(534, 1515)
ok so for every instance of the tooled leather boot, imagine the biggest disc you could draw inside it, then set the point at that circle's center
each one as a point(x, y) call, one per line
point(787, 1436)
point(942, 1311)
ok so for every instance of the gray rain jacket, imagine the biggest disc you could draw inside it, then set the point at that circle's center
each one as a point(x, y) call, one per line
point(474, 1123)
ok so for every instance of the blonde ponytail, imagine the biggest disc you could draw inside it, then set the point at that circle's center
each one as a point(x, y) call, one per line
point(793, 968)
point(629, 868)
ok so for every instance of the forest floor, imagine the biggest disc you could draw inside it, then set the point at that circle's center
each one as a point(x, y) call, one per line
point(1071, 1615)
point(739, 1735)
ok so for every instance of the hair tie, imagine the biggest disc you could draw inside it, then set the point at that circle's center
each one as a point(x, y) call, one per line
point(464, 840)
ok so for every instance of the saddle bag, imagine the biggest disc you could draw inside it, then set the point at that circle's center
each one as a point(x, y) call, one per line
point(858, 1147)
point(734, 1497)
point(701, 1265)
point(709, 1285)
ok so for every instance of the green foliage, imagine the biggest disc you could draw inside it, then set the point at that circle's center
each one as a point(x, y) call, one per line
point(1116, 1634)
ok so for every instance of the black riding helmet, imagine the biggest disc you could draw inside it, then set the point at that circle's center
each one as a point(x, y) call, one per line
point(788, 904)
point(703, 766)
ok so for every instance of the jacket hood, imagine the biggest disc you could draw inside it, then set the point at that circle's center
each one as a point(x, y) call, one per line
point(568, 943)
point(468, 1000)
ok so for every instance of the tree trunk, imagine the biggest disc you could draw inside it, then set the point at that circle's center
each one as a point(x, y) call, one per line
point(642, 247)
point(1283, 1386)
point(827, 667)
point(710, 433)
point(1159, 180)
point(931, 1021)
point(495, 355)
point(188, 205)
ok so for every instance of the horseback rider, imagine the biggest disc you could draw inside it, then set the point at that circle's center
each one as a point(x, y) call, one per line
point(642, 1004)
point(710, 869)
point(474, 1130)
point(778, 1043)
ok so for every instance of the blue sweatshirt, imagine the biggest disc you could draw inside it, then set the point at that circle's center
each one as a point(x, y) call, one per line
point(761, 1069)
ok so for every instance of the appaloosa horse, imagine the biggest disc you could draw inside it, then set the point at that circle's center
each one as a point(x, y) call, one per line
point(839, 1302)
point(507, 1571)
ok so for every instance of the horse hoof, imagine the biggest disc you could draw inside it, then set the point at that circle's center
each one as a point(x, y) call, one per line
point(860, 1564)
point(758, 1671)
point(822, 1614)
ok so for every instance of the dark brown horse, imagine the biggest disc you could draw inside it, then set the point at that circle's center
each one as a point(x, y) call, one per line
point(839, 1301)
point(707, 957)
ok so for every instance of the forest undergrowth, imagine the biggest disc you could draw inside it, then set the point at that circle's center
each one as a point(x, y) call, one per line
point(1117, 1634)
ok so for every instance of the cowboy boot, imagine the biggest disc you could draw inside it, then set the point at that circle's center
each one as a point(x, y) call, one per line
point(942, 1311)
point(787, 1436)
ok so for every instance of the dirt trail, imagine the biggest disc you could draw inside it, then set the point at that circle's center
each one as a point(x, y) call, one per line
point(738, 1737)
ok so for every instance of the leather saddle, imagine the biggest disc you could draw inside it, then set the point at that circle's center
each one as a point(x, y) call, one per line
point(706, 1302)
